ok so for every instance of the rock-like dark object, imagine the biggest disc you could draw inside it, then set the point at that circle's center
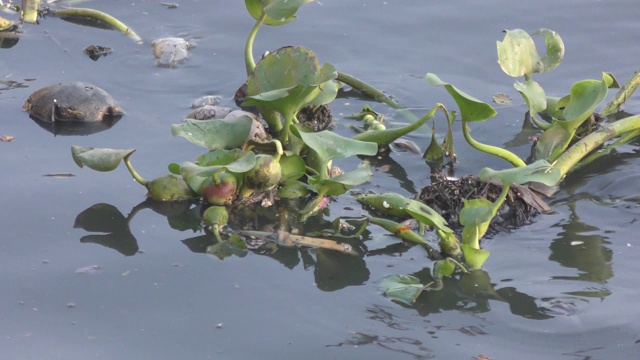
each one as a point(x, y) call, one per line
point(73, 108)
point(72, 101)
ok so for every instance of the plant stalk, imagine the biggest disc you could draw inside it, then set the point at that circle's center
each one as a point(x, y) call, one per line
point(142, 181)
point(100, 16)
point(489, 149)
point(249, 61)
point(582, 148)
point(622, 95)
point(367, 90)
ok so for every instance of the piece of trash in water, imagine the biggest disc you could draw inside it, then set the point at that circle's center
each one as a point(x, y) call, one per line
point(96, 51)
point(502, 99)
point(59, 175)
point(172, 51)
point(574, 243)
point(89, 270)
point(126, 273)
point(6, 138)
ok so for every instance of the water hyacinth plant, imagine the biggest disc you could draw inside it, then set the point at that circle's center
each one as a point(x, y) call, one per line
point(295, 164)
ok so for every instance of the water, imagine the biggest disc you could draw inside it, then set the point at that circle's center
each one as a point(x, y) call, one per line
point(563, 287)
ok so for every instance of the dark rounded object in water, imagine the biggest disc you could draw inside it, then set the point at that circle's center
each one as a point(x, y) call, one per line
point(72, 101)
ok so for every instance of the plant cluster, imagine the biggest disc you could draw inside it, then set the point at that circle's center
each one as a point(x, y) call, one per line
point(296, 162)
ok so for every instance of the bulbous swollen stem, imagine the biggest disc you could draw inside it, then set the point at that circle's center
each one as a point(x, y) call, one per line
point(489, 149)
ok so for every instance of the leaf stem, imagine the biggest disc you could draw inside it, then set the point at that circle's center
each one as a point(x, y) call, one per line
point(249, 61)
point(489, 149)
point(142, 181)
point(100, 16)
point(367, 89)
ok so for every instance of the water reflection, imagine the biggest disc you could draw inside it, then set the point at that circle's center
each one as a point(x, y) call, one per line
point(70, 128)
point(579, 246)
point(472, 292)
point(332, 270)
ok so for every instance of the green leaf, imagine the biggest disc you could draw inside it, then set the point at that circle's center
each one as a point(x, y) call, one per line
point(388, 203)
point(555, 50)
point(434, 152)
point(583, 99)
point(533, 94)
point(471, 109)
point(329, 145)
point(397, 205)
point(442, 268)
point(402, 288)
point(475, 216)
point(215, 134)
point(99, 159)
point(553, 142)
point(279, 12)
point(338, 185)
point(328, 92)
point(539, 171)
point(223, 250)
point(194, 174)
point(517, 54)
point(287, 79)
point(399, 230)
point(474, 257)
point(384, 137)
point(282, 9)
point(225, 157)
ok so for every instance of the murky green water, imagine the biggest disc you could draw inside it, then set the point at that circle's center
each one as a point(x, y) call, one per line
point(564, 287)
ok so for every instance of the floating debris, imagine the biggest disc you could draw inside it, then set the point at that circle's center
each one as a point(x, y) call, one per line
point(170, 52)
point(95, 52)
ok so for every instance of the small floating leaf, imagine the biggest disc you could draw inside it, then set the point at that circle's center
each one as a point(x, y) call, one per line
point(99, 159)
point(502, 99)
point(403, 288)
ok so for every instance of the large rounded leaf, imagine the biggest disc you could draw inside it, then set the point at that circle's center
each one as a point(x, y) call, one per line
point(287, 79)
point(555, 50)
point(215, 134)
point(517, 54)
